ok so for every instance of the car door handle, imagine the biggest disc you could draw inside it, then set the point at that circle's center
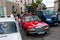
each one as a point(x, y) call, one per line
point(3, 36)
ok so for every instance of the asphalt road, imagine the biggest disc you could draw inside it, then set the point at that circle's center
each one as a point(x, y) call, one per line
point(54, 35)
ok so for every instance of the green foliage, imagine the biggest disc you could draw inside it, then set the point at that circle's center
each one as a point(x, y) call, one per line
point(29, 8)
point(59, 6)
point(34, 6)
point(39, 4)
point(58, 0)
point(38, 1)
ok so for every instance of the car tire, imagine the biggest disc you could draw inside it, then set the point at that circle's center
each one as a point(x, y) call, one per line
point(27, 33)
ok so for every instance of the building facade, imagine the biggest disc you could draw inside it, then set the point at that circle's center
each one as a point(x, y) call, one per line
point(56, 5)
point(50, 8)
point(7, 7)
point(14, 6)
point(23, 4)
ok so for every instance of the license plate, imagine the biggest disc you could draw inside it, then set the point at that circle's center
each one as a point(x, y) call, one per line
point(41, 32)
point(55, 23)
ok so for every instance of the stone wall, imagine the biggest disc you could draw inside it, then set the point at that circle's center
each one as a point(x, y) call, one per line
point(9, 8)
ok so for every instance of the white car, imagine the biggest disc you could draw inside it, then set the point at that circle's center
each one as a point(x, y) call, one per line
point(9, 29)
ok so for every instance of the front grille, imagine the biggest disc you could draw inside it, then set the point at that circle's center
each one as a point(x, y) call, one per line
point(40, 29)
point(54, 19)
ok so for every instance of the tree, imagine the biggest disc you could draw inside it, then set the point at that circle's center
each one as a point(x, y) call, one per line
point(29, 8)
point(39, 4)
point(35, 6)
point(38, 1)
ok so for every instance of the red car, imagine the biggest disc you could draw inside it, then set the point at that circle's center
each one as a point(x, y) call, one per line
point(34, 25)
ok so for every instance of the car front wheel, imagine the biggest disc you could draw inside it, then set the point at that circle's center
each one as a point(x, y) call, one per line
point(27, 33)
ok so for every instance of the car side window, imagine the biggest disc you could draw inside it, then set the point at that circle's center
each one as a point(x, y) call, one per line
point(40, 14)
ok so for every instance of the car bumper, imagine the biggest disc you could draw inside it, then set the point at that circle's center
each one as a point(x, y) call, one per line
point(53, 23)
point(40, 32)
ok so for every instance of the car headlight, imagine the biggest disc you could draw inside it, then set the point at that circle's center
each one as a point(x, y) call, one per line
point(46, 27)
point(48, 19)
point(54, 15)
point(32, 29)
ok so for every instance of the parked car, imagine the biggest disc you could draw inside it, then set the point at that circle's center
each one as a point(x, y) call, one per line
point(48, 16)
point(34, 25)
point(9, 29)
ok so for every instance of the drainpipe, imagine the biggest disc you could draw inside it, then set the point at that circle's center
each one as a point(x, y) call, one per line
point(4, 5)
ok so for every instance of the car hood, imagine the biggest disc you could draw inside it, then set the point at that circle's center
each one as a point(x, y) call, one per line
point(52, 16)
point(34, 24)
point(12, 36)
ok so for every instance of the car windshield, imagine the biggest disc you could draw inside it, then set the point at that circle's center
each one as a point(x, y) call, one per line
point(31, 18)
point(7, 27)
point(48, 13)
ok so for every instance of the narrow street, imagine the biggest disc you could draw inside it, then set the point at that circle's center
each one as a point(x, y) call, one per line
point(54, 35)
point(34, 15)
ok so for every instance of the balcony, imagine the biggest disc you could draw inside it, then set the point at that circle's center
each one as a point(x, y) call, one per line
point(11, 0)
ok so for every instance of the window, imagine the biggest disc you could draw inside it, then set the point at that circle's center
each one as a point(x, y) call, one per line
point(28, 2)
point(13, 9)
point(25, 2)
point(32, 1)
point(31, 18)
point(7, 27)
point(48, 13)
point(21, 8)
point(21, 1)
